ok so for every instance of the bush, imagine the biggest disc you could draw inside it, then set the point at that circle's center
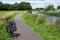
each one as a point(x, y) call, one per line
point(30, 11)
point(40, 19)
point(49, 7)
point(51, 13)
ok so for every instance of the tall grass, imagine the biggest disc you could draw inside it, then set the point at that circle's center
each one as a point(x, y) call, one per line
point(52, 13)
point(47, 32)
point(4, 35)
point(3, 32)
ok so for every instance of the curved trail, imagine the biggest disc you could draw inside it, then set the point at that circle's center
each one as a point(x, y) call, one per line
point(26, 33)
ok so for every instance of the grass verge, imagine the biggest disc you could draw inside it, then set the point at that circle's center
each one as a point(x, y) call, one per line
point(48, 32)
point(3, 32)
point(51, 13)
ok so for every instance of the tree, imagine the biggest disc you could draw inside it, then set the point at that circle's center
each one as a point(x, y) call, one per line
point(16, 6)
point(24, 6)
point(49, 7)
point(39, 8)
point(6, 7)
point(1, 6)
point(58, 7)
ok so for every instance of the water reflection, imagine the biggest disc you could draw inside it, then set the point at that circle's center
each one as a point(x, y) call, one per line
point(53, 19)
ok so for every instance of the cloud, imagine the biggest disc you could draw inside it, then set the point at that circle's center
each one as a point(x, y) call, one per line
point(35, 3)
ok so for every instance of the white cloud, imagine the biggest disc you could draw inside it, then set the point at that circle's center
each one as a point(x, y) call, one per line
point(35, 3)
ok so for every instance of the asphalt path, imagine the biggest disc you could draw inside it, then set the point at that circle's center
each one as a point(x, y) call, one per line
point(24, 32)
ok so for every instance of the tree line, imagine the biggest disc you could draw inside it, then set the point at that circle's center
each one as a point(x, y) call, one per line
point(49, 7)
point(16, 6)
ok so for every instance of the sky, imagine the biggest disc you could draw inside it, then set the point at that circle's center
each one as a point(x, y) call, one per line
point(35, 3)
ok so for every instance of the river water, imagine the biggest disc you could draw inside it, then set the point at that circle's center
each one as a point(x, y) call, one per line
point(51, 19)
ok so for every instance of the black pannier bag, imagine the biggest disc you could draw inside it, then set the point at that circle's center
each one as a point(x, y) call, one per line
point(8, 27)
point(14, 26)
point(11, 27)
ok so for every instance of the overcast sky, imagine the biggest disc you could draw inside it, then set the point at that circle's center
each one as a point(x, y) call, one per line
point(35, 3)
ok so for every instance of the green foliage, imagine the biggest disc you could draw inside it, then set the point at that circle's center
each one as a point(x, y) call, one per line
point(40, 19)
point(48, 32)
point(51, 12)
point(39, 9)
point(30, 11)
point(25, 6)
point(49, 7)
point(4, 35)
point(11, 18)
point(58, 7)
point(16, 6)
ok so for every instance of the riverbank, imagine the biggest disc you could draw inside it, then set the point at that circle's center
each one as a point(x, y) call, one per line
point(51, 13)
point(47, 31)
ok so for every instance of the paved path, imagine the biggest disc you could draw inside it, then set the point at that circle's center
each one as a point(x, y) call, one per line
point(26, 33)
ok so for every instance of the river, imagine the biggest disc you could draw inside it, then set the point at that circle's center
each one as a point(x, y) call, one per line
point(51, 19)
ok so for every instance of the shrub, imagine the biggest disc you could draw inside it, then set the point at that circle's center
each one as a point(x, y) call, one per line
point(40, 19)
point(30, 11)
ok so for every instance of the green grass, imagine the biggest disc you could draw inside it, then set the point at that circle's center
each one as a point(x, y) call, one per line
point(4, 35)
point(3, 32)
point(3, 12)
point(47, 32)
point(51, 13)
